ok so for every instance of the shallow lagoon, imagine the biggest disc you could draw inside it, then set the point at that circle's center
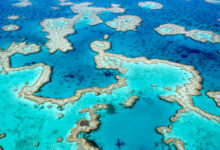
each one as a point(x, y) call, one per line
point(25, 122)
point(205, 132)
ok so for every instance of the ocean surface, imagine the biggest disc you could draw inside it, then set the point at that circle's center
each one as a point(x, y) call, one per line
point(26, 122)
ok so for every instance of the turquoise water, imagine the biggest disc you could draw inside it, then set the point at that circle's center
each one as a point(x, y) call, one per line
point(125, 121)
point(145, 72)
point(163, 75)
point(197, 131)
point(126, 124)
point(25, 122)
point(147, 5)
point(201, 35)
point(165, 30)
point(133, 127)
point(114, 24)
point(206, 103)
point(78, 73)
point(86, 18)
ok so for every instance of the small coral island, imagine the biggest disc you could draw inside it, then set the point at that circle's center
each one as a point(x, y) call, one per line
point(124, 23)
point(213, 1)
point(13, 17)
point(195, 34)
point(10, 27)
point(150, 5)
point(22, 3)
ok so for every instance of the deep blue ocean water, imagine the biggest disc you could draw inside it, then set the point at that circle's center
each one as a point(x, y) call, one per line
point(76, 69)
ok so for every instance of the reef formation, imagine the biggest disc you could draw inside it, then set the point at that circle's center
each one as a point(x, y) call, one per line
point(213, 1)
point(215, 96)
point(185, 84)
point(59, 28)
point(150, 5)
point(195, 34)
point(13, 17)
point(124, 23)
point(23, 3)
point(10, 27)
point(172, 82)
